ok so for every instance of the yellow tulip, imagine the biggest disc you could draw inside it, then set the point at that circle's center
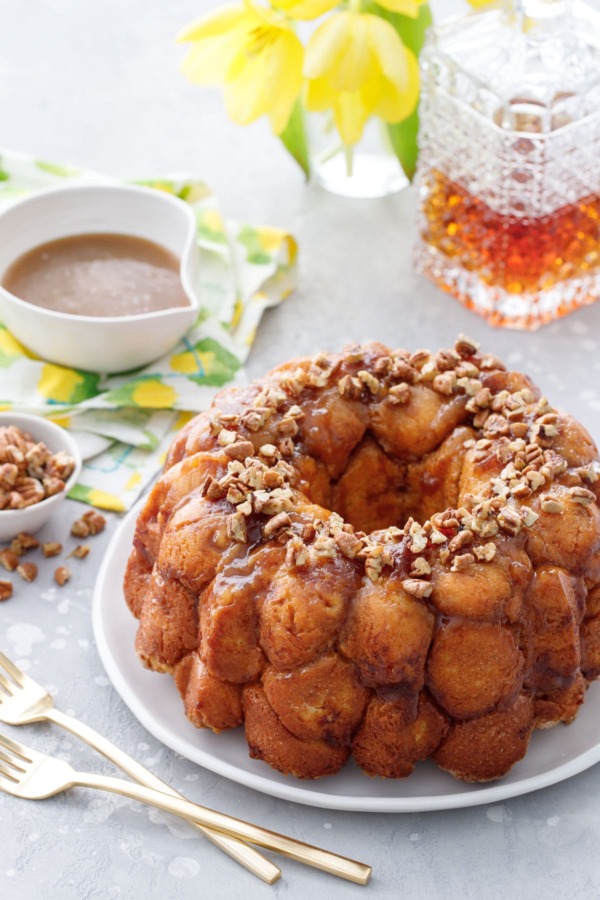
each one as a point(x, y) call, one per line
point(253, 54)
point(305, 9)
point(408, 7)
point(356, 65)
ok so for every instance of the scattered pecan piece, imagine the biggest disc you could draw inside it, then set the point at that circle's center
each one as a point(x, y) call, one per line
point(62, 575)
point(80, 551)
point(28, 571)
point(9, 559)
point(6, 590)
point(23, 542)
point(51, 548)
point(90, 523)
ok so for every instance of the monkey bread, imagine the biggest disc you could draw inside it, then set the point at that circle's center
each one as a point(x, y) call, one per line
point(376, 553)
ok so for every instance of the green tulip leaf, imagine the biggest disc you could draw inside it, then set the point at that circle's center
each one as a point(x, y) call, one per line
point(403, 135)
point(293, 137)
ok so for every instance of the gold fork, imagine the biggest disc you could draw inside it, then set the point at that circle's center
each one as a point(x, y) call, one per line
point(23, 701)
point(32, 775)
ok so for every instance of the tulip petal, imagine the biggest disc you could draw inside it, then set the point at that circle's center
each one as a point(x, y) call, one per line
point(405, 7)
point(208, 61)
point(265, 77)
point(350, 116)
point(284, 79)
point(245, 95)
point(305, 9)
point(325, 47)
point(318, 94)
point(339, 51)
point(389, 50)
point(396, 105)
point(213, 23)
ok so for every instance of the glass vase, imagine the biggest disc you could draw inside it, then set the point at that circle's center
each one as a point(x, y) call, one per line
point(368, 169)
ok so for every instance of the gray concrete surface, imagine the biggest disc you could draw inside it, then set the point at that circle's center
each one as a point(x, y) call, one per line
point(96, 83)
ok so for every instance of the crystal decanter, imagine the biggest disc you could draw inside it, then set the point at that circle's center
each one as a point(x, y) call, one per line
point(509, 162)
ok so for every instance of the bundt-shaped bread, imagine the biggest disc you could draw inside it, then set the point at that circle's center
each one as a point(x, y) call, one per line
point(377, 553)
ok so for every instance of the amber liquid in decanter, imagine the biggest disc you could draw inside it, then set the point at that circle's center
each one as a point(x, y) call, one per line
point(509, 169)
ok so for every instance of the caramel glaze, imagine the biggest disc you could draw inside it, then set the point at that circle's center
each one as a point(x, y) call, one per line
point(474, 630)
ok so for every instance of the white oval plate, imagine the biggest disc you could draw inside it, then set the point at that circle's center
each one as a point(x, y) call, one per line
point(554, 755)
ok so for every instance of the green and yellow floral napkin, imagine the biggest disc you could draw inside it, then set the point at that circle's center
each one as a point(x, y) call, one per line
point(124, 423)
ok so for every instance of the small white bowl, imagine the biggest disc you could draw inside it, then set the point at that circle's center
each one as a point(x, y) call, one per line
point(99, 343)
point(31, 519)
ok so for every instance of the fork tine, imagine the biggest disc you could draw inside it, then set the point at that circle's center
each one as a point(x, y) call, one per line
point(6, 760)
point(12, 670)
point(15, 747)
point(5, 774)
point(8, 687)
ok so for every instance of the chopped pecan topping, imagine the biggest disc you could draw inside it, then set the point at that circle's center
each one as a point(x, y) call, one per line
point(485, 552)
point(372, 383)
point(6, 590)
point(403, 371)
point(226, 437)
point(236, 527)
point(324, 546)
point(509, 520)
point(551, 505)
point(399, 394)
point(212, 489)
point(239, 450)
point(463, 561)
point(420, 566)
point(460, 540)
point(528, 516)
point(296, 553)
point(276, 525)
point(445, 383)
point(582, 495)
point(349, 545)
point(288, 427)
point(465, 347)
point(436, 536)
point(255, 419)
point(269, 451)
point(417, 588)
point(350, 388)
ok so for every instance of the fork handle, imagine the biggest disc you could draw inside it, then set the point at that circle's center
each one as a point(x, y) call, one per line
point(247, 856)
point(305, 853)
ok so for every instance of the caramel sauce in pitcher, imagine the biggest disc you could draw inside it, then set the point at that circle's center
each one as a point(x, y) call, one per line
point(98, 275)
